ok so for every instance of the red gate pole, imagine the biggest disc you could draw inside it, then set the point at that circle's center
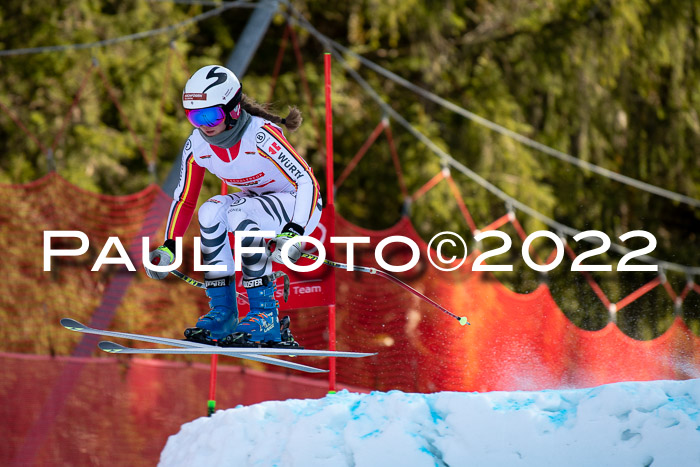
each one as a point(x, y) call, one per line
point(211, 403)
point(329, 203)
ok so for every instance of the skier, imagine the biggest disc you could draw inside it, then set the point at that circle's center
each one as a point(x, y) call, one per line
point(241, 143)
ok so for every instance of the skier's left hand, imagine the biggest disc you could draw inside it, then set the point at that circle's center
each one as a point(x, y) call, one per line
point(274, 246)
point(161, 256)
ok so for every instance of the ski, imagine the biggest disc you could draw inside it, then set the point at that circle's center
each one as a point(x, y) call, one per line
point(113, 347)
point(74, 325)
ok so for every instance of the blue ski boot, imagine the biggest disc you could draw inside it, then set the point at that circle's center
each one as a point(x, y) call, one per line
point(261, 322)
point(223, 314)
point(261, 326)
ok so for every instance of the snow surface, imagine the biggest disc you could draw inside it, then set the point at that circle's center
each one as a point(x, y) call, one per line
point(624, 424)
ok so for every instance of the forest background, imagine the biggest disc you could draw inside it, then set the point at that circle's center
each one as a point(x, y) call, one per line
point(614, 83)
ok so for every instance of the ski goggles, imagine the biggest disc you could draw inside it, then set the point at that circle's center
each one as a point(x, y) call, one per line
point(209, 116)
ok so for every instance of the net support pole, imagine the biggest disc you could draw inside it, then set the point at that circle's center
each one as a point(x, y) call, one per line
point(251, 37)
point(329, 203)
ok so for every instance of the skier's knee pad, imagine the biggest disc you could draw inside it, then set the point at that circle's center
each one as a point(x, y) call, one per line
point(211, 212)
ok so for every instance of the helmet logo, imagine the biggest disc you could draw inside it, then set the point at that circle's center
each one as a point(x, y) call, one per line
point(220, 78)
point(194, 96)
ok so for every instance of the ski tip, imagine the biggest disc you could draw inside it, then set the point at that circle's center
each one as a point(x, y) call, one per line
point(72, 324)
point(356, 354)
point(463, 321)
point(111, 347)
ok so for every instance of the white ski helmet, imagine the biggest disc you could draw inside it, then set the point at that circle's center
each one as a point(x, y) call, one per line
point(213, 85)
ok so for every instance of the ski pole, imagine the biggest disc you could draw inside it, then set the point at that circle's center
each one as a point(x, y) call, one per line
point(461, 319)
point(187, 279)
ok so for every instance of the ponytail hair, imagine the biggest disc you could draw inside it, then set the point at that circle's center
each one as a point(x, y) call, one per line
point(292, 121)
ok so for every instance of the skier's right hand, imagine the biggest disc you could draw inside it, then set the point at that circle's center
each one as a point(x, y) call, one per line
point(161, 256)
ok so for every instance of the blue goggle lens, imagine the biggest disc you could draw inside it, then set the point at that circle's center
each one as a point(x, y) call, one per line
point(210, 116)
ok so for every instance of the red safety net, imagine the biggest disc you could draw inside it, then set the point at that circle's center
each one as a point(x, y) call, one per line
point(515, 341)
point(61, 408)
